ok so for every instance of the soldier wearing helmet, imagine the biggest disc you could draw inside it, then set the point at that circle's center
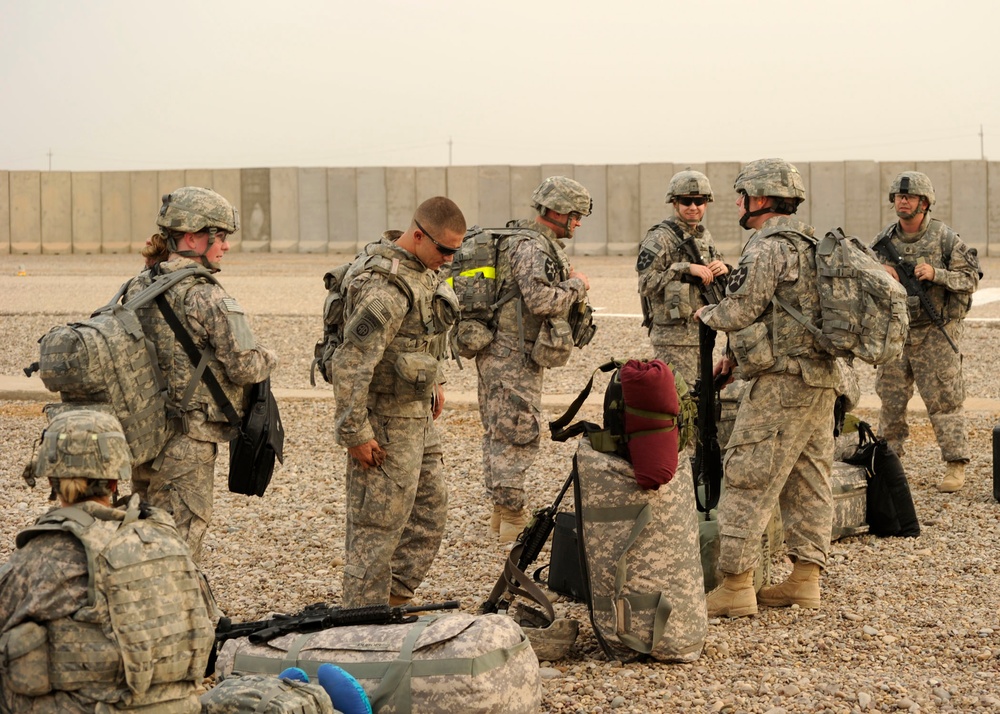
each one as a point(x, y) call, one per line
point(543, 316)
point(61, 648)
point(677, 261)
point(947, 270)
point(195, 224)
point(781, 446)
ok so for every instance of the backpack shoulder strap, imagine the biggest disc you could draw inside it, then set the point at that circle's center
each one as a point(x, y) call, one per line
point(560, 428)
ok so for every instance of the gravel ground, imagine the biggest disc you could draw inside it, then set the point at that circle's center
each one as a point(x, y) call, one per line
point(906, 624)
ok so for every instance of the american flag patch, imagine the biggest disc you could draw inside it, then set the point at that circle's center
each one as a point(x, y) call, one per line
point(231, 305)
point(378, 311)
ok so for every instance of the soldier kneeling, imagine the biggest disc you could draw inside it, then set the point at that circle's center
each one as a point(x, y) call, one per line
point(101, 609)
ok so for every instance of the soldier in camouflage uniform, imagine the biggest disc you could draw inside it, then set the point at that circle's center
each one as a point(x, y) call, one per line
point(669, 278)
point(948, 271)
point(387, 386)
point(195, 224)
point(101, 609)
point(781, 448)
point(527, 340)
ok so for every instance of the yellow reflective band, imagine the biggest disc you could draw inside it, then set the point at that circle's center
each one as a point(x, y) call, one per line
point(485, 271)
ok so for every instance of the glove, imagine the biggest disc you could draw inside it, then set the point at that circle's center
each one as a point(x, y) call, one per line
point(346, 693)
point(296, 674)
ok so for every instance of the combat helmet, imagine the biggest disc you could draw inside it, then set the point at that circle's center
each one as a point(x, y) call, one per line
point(562, 195)
point(913, 183)
point(771, 177)
point(192, 209)
point(82, 443)
point(689, 183)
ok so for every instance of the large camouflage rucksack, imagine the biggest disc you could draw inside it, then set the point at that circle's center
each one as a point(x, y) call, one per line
point(474, 279)
point(266, 695)
point(108, 359)
point(863, 311)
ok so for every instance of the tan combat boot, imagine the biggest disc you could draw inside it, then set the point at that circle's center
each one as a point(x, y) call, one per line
point(734, 598)
point(495, 520)
point(396, 600)
point(954, 477)
point(801, 588)
point(511, 523)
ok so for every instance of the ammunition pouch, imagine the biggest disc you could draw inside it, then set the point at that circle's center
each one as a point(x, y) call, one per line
point(554, 343)
point(471, 337)
point(24, 660)
point(581, 320)
point(752, 347)
point(416, 376)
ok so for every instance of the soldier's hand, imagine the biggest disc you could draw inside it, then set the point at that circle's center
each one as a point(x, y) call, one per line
point(574, 273)
point(437, 402)
point(369, 454)
point(892, 271)
point(924, 271)
point(718, 268)
point(723, 367)
point(703, 272)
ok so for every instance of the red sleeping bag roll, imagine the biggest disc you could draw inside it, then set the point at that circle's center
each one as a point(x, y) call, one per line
point(651, 408)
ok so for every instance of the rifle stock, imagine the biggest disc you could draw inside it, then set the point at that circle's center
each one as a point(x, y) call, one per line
point(912, 284)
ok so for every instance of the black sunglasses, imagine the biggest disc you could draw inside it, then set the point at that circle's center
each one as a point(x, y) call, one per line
point(688, 200)
point(442, 249)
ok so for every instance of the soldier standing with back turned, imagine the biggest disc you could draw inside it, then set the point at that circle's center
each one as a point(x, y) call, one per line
point(668, 274)
point(532, 333)
point(781, 448)
point(948, 271)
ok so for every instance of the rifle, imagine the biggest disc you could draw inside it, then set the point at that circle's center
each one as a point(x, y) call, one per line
point(904, 270)
point(514, 580)
point(318, 617)
point(708, 453)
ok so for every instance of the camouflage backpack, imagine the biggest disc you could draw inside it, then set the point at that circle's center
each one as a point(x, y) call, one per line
point(108, 359)
point(863, 311)
point(474, 279)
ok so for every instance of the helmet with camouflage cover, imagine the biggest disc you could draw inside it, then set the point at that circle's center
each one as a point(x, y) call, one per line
point(193, 209)
point(771, 177)
point(83, 443)
point(912, 183)
point(562, 195)
point(689, 183)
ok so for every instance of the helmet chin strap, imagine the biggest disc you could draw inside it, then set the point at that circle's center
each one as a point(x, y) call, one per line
point(914, 213)
point(748, 214)
point(202, 258)
point(567, 228)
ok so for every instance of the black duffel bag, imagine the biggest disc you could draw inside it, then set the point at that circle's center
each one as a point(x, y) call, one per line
point(888, 504)
point(258, 445)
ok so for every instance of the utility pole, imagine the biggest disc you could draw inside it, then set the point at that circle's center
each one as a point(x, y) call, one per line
point(982, 151)
point(50, 158)
point(449, 150)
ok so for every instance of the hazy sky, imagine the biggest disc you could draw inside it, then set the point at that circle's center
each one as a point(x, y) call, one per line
point(136, 84)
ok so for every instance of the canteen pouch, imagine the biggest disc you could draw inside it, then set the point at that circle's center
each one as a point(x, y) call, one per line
point(554, 343)
point(416, 376)
point(24, 655)
point(752, 348)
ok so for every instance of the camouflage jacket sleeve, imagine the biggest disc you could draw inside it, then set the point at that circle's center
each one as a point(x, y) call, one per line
point(216, 317)
point(46, 580)
point(379, 310)
point(537, 278)
point(764, 265)
point(962, 274)
point(668, 265)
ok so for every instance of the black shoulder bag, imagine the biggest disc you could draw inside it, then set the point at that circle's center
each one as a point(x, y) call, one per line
point(261, 438)
point(889, 506)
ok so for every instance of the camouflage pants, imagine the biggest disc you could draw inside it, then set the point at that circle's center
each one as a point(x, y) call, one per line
point(395, 513)
point(510, 399)
point(929, 361)
point(683, 358)
point(780, 452)
point(183, 487)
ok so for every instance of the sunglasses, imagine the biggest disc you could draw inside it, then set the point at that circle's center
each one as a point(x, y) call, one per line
point(688, 200)
point(442, 249)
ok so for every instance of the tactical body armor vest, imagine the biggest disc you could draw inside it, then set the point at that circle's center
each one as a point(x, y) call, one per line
point(934, 246)
point(679, 299)
point(513, 318)
point(143, 639)
point(408, 370)
point(174, 361)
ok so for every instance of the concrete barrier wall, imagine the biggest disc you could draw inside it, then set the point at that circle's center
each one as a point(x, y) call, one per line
point(338, 210)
